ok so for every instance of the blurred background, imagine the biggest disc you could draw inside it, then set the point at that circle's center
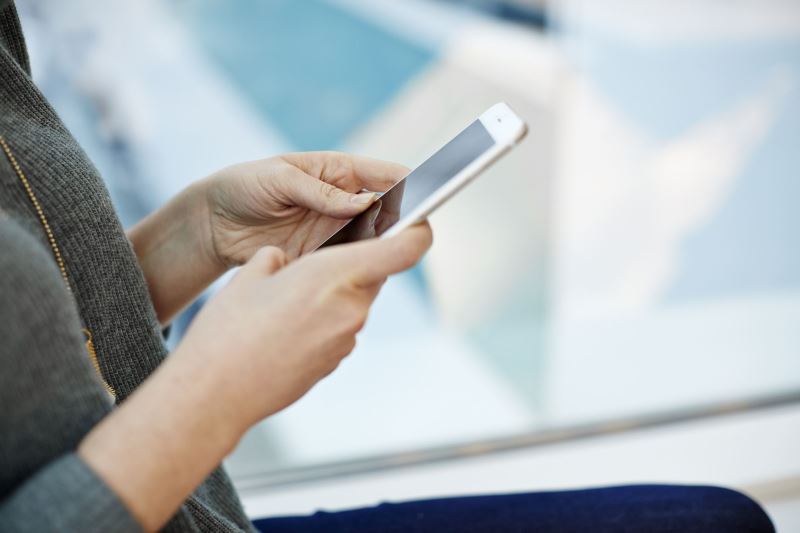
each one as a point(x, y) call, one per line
point(630, 272)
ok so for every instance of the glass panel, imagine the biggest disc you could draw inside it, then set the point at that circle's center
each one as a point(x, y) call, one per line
point(635, 259)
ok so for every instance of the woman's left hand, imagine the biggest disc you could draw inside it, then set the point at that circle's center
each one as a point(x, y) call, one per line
point(295, 201)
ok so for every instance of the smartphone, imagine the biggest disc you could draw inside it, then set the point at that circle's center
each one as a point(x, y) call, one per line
point(439, 178)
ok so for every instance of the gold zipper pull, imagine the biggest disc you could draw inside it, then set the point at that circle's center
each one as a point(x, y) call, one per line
point(93, 356)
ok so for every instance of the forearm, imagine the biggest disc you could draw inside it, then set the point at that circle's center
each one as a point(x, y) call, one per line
point(164, 440)
point(174, 249)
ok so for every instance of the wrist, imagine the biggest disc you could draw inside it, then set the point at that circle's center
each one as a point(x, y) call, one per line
point(215, 385)
point(176, 252)
point(210, 390)
point(159, 445)
point(199, 196)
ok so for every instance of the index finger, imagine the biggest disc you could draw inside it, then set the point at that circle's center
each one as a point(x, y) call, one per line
point(375, 174)
point(372, 174)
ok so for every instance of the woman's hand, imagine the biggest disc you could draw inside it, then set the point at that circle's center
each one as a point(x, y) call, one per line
point(295, 202)
point(276, 331)
point(255, 348)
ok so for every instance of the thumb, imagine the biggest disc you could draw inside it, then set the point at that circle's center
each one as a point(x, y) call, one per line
point(312, 193)
point(375, 259)
point(265, 261)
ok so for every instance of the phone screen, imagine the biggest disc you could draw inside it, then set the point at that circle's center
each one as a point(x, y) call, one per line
point(412, 190)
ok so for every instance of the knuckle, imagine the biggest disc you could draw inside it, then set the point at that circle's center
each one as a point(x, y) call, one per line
point(339, 161)
point(408, 255)
point(270, 256)
point(358, 323)
point(401, 170)
point(349, 347)
point(328, 191)
point(354, 323)
point(345, 348)
point(328, 370)
point(328, 367)
point(271, 253)
point(428, 235)
point(354, 320)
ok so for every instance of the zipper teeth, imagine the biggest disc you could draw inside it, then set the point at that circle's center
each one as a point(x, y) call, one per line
point(56, 253)
point(39, 212)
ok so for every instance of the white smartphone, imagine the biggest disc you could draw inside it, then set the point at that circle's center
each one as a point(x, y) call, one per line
point(439, 178)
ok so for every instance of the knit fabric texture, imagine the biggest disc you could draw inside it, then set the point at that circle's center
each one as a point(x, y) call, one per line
point(50, 394)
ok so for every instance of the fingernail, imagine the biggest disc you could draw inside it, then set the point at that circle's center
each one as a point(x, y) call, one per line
point(374, 215)
point(363, 198)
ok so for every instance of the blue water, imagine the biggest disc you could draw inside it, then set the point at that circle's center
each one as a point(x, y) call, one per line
point(315, 71)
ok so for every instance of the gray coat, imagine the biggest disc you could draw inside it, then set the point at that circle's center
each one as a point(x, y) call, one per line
point(50, 394)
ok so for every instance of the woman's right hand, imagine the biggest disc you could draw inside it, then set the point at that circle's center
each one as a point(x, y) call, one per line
point(276, 330)
point(256, 347)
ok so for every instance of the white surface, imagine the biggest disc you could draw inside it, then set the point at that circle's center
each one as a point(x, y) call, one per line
point(659, 21)
point(705, 352)
point(379, 399)
point(785, 515)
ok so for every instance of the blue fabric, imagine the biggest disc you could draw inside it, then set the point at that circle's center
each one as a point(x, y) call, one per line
point(648, 508)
